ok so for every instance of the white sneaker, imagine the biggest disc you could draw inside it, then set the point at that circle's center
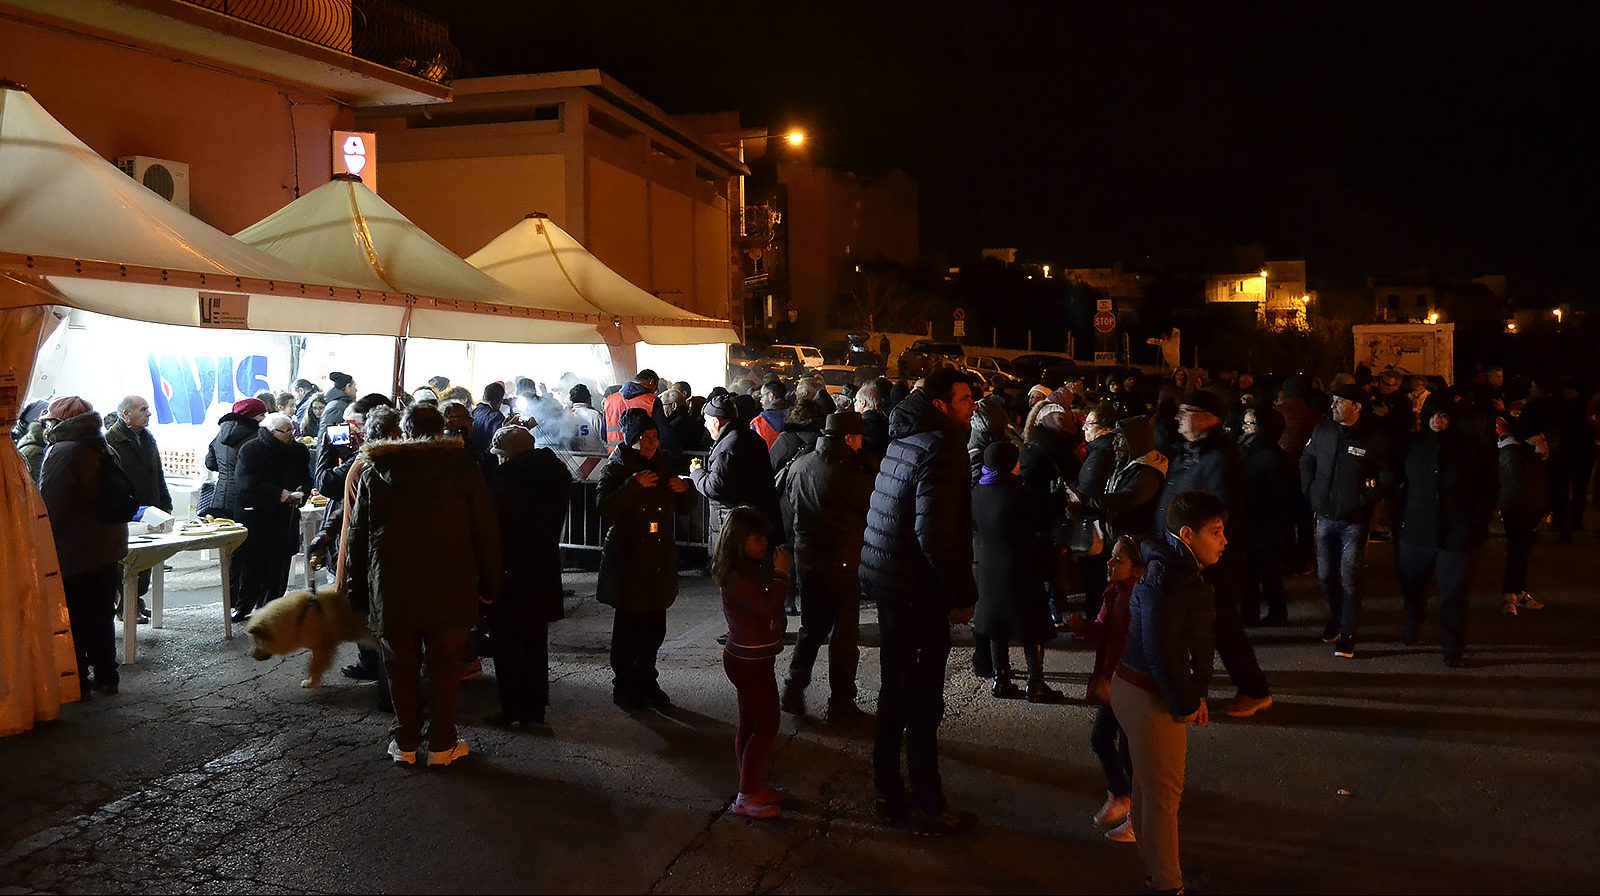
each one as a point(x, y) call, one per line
point(401, 757)
point(1122, 833)
point(1527, 602)
point(1508, 605)
point(445, 757)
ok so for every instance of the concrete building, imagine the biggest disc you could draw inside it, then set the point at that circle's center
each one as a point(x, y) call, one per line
point(1415, 296)
point(1278, 289)
point(241, 98)
point(1113, 282)
point(644, 192)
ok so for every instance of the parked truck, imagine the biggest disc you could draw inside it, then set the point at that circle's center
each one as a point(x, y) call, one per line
point(1425, 349)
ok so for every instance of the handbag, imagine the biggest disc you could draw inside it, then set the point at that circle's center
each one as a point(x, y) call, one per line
point(1087, 537)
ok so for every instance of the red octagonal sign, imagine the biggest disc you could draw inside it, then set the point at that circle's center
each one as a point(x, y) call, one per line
point(1105, 322)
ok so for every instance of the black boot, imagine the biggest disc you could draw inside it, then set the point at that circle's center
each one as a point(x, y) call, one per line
point(1038, 691)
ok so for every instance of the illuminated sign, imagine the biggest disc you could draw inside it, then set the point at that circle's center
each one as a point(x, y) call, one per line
point(356, 152)
point(186, 386)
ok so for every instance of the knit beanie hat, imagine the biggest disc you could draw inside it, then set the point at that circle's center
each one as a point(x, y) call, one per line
point(721, 407)
point(1001, 456)
point(635, 422)
point(579, 394)
point(340, 380)
point(511, 441)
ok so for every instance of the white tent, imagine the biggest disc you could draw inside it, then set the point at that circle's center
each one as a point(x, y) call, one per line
point(76, 231)
point(344, 230)
point(541, 261)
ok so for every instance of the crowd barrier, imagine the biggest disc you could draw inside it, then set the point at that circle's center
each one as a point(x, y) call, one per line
point(584, 531)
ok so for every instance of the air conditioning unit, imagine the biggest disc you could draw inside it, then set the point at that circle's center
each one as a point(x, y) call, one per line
point(167, 179)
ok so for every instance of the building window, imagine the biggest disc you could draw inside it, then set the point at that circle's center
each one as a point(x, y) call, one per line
point(1394, 301)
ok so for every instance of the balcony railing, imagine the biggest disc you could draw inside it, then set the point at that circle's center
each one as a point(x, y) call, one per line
point(382, 31)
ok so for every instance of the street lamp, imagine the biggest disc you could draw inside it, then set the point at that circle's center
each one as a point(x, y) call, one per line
point(1433, 317)
point(795, 137)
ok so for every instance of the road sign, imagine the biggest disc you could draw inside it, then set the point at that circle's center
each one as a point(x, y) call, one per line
point(961, 314)
point(1104, 322)
point(1102, 359)
point(961, 328)
point(1102, 304)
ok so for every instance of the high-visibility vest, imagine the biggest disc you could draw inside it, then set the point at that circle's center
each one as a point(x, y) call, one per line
point(616, 405)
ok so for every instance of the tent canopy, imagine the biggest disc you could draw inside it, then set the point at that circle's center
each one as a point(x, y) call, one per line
point(543, 263)
point(344, 230)
point(75, 230)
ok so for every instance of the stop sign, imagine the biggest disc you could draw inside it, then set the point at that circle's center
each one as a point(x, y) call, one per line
point(1105, 322)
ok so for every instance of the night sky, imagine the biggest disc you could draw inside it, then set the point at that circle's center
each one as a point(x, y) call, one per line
point(1364, 139)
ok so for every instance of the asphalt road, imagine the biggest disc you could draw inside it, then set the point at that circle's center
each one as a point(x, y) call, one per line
point(214, 773)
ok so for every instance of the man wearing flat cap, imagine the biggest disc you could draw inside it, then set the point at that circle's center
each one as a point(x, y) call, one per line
point(1210, 462)
point(829, 489)
point(1345, 472)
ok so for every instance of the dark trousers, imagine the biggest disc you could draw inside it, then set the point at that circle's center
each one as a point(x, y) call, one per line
point(999, 651)
point(915, 648)
point(756, 684)
point(1340, 565)
point(404, 654)
point(1265, 583)
point(1520, 536)
point(830, 613)
point(1418, 564)
point(1110, 745)
point(1229, 578)
point(1092, 578)
point(635, 640)
point(1305, 536)
point(90, 599)
point(521, 666)
point(1569, 479)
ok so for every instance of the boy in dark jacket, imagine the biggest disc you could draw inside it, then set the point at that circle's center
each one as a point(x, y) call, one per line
point(638, 495)
point(1159, 687)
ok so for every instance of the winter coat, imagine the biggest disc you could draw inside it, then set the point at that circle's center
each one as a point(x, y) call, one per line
point(639, 563)
point(335, 401)
point(1209, 464)
point(70, 485)
point(531, 494)
point(1449, 491)
point(32, 448)
point(829, 490)
point(875, 437)
point(1524, 497)
point(1108, 631)
point(991, 423)
point(1271, 481)
point(1098, 465)
point(486, 421)
point(1299, 420)
point(423, 543)
point(1170, 618)
point(265, 469)
point(768, 424)
point(141, 460)
point(688, 430)
point(1335, 468)
point(1128, 502)
point(752, 605)
point(798, 436)
point(331, 466)
point(1013, 562)
point(222, 456)
point(918, 550)
point(738, 471)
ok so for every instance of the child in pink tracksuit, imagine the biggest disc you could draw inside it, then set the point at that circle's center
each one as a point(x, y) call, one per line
point(752, 603)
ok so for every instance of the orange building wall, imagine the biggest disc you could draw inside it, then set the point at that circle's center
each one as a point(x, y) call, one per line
point(465, 203)
point(234, 132)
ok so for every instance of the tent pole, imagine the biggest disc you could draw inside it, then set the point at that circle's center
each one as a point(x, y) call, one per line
point(399, 366)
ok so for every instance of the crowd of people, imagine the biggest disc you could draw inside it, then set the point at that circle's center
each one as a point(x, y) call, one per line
point(1156, 521)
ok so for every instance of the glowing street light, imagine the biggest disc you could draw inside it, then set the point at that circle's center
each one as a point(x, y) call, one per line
point(1433, 317)
point(795, 137)
point(1557, 313)
point(1511, 326)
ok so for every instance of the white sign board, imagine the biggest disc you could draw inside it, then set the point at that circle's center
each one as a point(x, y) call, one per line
point(960, 328)
point(1102, 305)
point(1103, 358)
point(226, 310)
point(356, 152)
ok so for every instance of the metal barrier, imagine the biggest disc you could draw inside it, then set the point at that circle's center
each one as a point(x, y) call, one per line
point(585, 531)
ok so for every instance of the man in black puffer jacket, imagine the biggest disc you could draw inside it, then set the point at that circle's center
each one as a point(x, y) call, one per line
point(917, 566)
point(1210, 463)
point(738, 470)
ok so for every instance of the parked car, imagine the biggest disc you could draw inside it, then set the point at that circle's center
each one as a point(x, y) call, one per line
point(747, 362)
point(925, 354)
point(836, 376)
point(850, 354)
point(1031, 368)
point(798, 357)
point(994, 371)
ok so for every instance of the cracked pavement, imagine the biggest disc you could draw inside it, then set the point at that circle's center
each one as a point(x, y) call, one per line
point(213, 773)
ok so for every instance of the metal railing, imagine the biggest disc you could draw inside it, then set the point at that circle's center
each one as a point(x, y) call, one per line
point(585, 531)
point(382, 31)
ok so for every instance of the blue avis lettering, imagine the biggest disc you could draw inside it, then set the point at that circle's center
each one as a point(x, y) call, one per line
point(186, 386)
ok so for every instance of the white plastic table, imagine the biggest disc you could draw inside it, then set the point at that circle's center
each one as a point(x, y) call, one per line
point(152, 552)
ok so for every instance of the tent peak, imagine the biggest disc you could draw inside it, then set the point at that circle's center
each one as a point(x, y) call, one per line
point(347, 177)
point(536, 215)
point(8, 84)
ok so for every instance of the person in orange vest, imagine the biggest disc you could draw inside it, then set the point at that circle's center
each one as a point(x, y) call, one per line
point(641, 393)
